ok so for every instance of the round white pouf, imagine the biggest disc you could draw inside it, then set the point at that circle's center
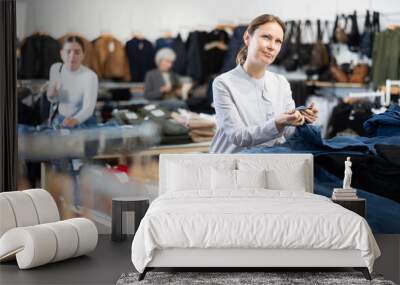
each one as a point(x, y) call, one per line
point(34, 245)
point(52, 242)
point(67, 240)
point(6, 216)
point(45, 205)
point(87, 234)
point(23, 208)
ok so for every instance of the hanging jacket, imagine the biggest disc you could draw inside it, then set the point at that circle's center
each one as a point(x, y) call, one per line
point(235, 44)
point(386, 57)
point(38, 53)
point(140, 54)
point(367, 37)
point(164, 42)
point(112, 58)
point(215, 48)
point(354, 36)
point(181, 56)
point(195, 50)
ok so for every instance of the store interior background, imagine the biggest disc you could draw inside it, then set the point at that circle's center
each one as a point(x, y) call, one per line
point(153, 17)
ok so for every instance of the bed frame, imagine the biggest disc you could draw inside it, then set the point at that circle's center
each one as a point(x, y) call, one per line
point(242, 259)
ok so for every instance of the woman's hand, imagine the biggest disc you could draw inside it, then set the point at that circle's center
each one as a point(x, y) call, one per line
point(178, 92)
point(310, 114)
point(70, 122)
point(52, 90)
point(165, 88)
point(291, 118)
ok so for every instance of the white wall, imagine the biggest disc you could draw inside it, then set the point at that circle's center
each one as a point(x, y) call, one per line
point(152, 17)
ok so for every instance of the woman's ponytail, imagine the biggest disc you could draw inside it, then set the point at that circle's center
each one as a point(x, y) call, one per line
point(241, 56)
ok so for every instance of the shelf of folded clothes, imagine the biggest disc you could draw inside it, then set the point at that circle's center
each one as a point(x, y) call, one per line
point(201, 126)
point(335, 84)
point(180, 127)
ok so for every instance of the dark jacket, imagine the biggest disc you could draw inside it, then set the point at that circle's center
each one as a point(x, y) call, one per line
point(214, 56)
point(195, 55)
point(235, 45)
point(38, 53)
point(181, 56)
point(154, 81)
point(141, 58)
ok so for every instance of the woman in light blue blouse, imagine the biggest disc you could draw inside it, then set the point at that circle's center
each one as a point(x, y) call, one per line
point(254, 107)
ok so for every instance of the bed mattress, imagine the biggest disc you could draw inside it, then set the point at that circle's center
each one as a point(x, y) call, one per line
point(251, 219)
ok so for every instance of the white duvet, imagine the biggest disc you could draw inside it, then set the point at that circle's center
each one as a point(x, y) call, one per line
point(250, 219)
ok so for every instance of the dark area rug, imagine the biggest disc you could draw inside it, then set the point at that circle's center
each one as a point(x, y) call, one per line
point(243, 278)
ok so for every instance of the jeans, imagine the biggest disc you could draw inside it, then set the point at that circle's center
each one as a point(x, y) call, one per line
point(385, 124)
point(58, 119)
point(383, 214)
point(307, 139)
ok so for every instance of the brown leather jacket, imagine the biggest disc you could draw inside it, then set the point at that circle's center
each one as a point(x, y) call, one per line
point(112, 58)
point(91, 58)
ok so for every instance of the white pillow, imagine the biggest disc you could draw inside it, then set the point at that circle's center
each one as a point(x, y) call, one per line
point(223, 179)
point(185, 178)
point(280, 180)
point(185, 175)
point(281, 174)
point(226, 179)
point(251, 178)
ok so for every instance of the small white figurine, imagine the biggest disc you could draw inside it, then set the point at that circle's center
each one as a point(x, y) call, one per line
point(347, 174)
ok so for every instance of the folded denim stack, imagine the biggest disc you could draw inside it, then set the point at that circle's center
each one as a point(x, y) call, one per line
point(201, 126)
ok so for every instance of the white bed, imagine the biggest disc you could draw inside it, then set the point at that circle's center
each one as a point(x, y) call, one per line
point(267, 218)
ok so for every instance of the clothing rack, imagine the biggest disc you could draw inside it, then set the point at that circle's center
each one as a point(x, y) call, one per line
point(388, 87)
point(374, 94)
point(385, 93)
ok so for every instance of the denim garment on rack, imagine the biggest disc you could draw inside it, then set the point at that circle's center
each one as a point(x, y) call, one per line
point(385, 124)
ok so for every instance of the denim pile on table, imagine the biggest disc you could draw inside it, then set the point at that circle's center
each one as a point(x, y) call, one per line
point(376, 164)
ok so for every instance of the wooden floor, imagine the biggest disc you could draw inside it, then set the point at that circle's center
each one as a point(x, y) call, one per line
point(103, 266)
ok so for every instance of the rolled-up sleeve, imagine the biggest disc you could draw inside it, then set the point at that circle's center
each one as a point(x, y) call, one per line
point(229, 121)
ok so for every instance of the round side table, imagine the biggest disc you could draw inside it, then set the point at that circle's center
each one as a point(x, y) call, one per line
point(138, 204)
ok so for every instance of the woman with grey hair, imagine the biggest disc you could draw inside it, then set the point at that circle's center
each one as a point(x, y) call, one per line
point(161, 84)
